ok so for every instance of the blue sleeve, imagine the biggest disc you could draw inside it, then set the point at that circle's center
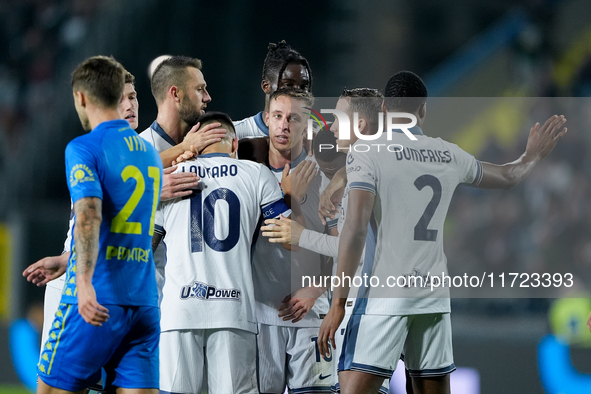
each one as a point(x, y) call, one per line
point(82, 163)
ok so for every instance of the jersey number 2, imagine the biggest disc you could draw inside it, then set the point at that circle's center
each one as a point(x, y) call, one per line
point(203, 220)
point(422, 233)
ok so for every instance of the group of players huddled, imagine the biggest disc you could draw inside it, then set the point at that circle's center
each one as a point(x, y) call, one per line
point(182, 271)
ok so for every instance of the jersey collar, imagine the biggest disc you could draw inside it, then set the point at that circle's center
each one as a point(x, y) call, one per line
point(156, 127)
point(258, 119)
point(416, 130)
point(112, 123)
point(214, 154)
point(293, 163)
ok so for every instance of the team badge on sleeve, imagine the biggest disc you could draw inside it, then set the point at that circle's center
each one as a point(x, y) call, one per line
point(80, 173)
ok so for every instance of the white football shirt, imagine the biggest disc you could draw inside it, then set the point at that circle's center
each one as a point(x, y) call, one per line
point(157, 137)
point(413, 189)
point(251, 127)
point(278, 272)
point(208, 239)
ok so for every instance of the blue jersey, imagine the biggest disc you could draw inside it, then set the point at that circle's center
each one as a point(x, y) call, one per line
point(114, 164)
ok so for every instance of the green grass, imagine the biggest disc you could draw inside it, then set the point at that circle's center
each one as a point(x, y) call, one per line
point(13, 389)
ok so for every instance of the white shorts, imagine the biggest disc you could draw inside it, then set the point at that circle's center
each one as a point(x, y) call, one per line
point(51, 302)
point(339, 337)
point(230, 356)
point(374, 344)
point(290, 356)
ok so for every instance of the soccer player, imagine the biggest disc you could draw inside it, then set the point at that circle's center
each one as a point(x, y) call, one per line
point(50, 270)
point(105, 320)
point(284, 67)
point(404, 195)
point(367, 103)
point(286, 341)
point(208, 309)
point(180, 91)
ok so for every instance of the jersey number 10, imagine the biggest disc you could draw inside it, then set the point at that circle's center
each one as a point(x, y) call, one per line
point(203, 220)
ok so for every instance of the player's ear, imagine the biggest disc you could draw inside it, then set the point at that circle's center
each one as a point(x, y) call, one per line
point(234, 145)
point(363, 126)
point(266, 86)
point(267, 115)
point(80, 98)
point(175, 93)
point(423, 110)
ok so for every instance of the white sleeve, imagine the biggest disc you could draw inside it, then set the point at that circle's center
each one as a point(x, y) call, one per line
point(70, 235)
point(327, 245)
point(159, 220)
point(360, 171)
point(469, 169)
point(248, 128)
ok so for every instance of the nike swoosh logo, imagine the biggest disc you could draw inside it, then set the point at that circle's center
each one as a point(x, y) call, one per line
point(324, 377)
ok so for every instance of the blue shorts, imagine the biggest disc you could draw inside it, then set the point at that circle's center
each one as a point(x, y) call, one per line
point(126, 346)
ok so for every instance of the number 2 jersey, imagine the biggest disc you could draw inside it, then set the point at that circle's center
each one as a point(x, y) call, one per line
point(114, 164)
point(413, 189)
point(208, 238)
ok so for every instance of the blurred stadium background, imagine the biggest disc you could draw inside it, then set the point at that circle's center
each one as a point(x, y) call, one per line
point(465, 48)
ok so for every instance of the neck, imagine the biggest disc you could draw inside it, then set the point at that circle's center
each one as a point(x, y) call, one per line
point(168, 118)
point(279, 159)
point(218, 147)
point(98, 115)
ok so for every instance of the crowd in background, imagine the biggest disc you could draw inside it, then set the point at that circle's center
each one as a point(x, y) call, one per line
point(34, 35)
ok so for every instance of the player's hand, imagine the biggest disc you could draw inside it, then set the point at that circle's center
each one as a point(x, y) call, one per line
point(295, 307)
point(589, 322)
point(301, 177)
point(330, 196)
point(328, 328)
point(282, 230)
point(91, 311)
point(198, 138)
point(188, 155)
point(47, 269)
point(177, 185)
point(543, 139)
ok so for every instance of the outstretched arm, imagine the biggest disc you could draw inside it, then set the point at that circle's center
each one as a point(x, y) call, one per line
point(540, 142)
point(86, 241)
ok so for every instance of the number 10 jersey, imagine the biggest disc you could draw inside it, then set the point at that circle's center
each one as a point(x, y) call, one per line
point(208, 238)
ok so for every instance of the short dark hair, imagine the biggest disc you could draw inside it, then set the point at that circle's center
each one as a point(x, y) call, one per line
point(325, 137)
point(102, 78)
point(220, 117)
point(294, 93)
point(367, 102)
point(129, 78)
point(279, 57)
point(405, 91)
point(172, 72)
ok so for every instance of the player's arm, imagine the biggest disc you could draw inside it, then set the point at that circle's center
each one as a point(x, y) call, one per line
point(540, 142)
point(88, 212)
point(195, 141)
point(47, 269)
point(327, 208)
point(290, 232)
point(351, 243)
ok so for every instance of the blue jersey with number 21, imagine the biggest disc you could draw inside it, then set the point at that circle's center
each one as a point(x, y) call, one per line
point(114, 164)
